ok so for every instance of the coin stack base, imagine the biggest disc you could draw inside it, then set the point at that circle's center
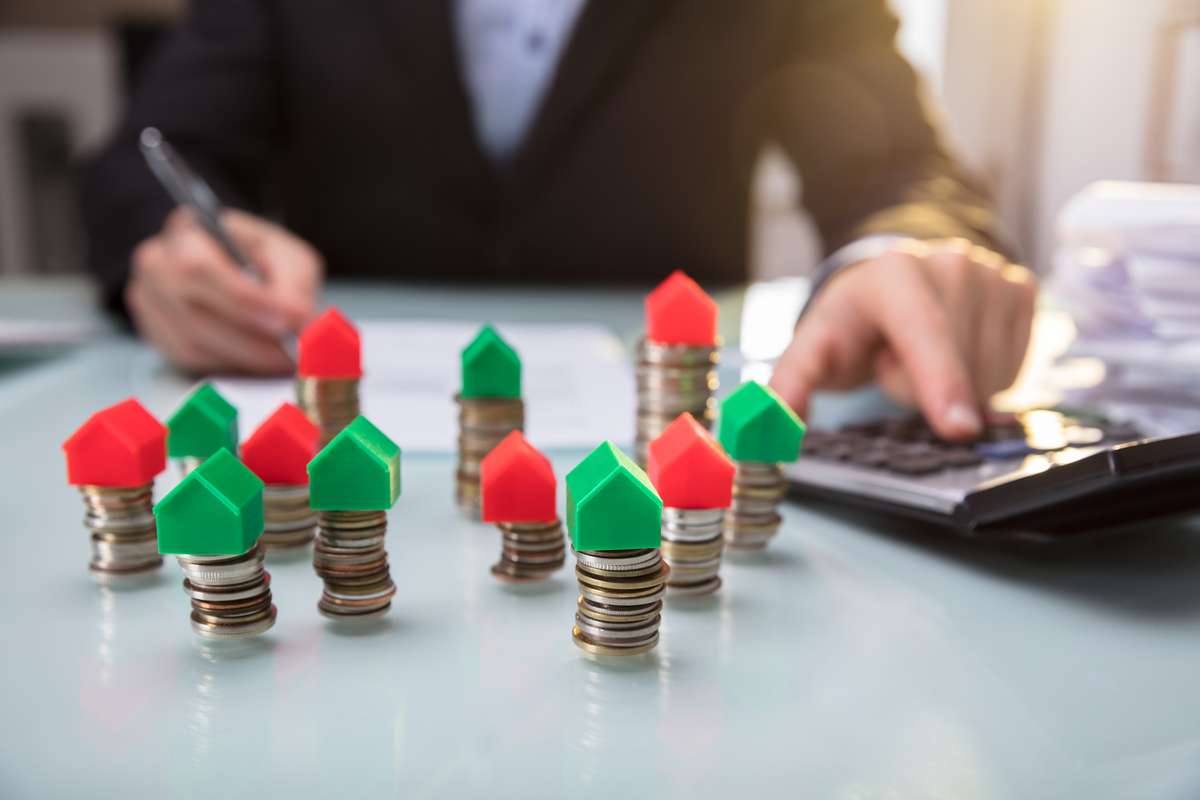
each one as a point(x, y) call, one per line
point(753, 519)
point(620, 602)
point(529, 551)
point(672, 379)
point(124, 536)
point(231, 595)
point(349, 556)
point(482, 423)
point(331, 403)
point(289, 523)
point(691, 546)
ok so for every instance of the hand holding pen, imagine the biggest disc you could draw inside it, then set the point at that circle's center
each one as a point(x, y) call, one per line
point(218, 289)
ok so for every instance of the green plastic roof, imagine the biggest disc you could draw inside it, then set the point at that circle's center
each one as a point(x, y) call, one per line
point(202, 425)
point(756, 425)
point(611, 504)
point(359, 470)
point(490, 366)
point(216, 509)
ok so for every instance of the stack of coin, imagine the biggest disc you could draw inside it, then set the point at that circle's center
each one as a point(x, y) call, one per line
point(691, 546)
point(124, 539)
point(350, 557)
point(288, 520)
point(331, 403)
point(482, 423)
point(620, 602)
point(529, 551)
point(231, 595)
point(754, 517)
point(672, 379)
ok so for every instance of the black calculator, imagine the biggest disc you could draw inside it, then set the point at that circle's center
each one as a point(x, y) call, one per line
point(1044, 474)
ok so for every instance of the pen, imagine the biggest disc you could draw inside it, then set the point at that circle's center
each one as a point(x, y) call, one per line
point(190, 191)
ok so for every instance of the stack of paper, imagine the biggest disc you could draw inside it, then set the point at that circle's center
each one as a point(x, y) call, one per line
point(577, 384)
point(1128, 271)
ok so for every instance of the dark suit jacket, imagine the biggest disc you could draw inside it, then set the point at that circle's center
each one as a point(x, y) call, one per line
point(348, 119)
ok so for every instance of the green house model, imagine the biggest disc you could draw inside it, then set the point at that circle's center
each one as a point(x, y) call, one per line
point(756, 425)
point(359, 470)
point(611, 504)
point(202, 425)
point(217, 510)
point(490, 366)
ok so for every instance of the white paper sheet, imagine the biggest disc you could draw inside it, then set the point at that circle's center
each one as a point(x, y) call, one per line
point(22, 335)
point(577, 384)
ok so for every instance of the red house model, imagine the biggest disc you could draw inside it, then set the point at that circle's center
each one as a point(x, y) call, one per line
point(122, 445)
point(330, 348)
point(278, 452)
point(679, 312)
point(517, 483)
point(688, 467)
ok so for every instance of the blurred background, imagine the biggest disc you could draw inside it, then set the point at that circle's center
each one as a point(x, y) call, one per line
point(1042, 97)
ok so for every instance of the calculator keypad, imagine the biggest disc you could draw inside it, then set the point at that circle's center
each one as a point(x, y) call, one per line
point(908, 446)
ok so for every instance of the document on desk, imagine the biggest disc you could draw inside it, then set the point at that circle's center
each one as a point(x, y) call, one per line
point(577, 384)
point(20, 336)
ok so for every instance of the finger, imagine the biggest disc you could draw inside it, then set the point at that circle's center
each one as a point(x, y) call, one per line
point(916, 327)
point(214, 342)
point(234, 347)
point(1022, 284)
point(206, 276)
point(161, 328)
point(893, 379)
point(293, 269)
point(803, 366)
point(830, 349)
point(959, 283)
point(994, 348)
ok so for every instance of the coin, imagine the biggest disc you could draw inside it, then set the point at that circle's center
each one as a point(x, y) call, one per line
point(123, 532)
point(482, 423)
point(753, 518)
point(672, 379)
point(230, 595)
point(349, 557)
point(607, 650)
point(331, 403)
point(619, 607)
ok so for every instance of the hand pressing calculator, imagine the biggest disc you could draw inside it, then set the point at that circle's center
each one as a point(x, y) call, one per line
point(1043, 474)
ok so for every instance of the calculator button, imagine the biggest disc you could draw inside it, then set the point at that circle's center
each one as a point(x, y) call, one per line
point(1004, 448)
point(915, 465)
point(961, 457)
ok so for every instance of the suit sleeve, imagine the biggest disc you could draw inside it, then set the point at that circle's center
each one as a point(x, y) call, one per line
point(212, 91)
point(847, 108)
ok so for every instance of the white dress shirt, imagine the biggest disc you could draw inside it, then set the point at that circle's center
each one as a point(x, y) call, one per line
point(509, 51)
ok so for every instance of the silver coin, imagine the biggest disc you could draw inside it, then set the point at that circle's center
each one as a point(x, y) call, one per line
point(592, 560)
point(235, 631)
point(693, 517)
point(604, 634)
point(222, 574)
point(204, 594)
point(600, 598)
point(694, 589)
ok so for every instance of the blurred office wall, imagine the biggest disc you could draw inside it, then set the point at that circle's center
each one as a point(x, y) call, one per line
point(63, 65)
point(1039, 96)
